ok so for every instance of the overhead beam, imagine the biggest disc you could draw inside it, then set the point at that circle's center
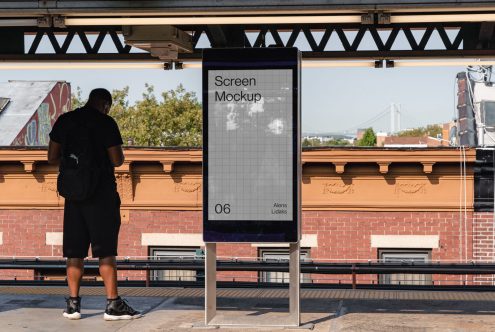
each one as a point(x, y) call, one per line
point(471, 40)
point(195, 7)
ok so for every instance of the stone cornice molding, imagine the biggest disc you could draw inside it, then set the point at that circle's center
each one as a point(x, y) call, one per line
point(337, 156)
point(131, 155)
point(384, 157)
point(431, 184)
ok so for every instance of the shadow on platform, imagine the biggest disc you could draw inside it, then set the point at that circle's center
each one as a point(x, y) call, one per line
point(339, 310)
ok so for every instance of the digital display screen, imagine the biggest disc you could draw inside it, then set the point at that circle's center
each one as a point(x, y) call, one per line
point(250, 144)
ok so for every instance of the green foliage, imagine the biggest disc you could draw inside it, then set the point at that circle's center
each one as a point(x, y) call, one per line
point(337, 142)
point(369, 138)
point(76, 99)
point(314, 142)
point(429, 130)
point(175, 119)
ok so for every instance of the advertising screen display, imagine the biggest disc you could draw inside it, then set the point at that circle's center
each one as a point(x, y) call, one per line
point(251, 150)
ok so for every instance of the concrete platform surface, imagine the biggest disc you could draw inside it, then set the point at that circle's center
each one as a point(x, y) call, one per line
point(40, 309)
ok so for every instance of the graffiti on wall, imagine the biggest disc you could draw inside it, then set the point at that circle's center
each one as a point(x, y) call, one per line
point(37, 130)
point(44, 124)
point(31, 133)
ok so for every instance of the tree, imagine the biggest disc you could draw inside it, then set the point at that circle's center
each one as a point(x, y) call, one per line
point(76, 99)
point(173, 120)
point(369, 138)
point(311, 142)
point(429, 130)
point(337, 142)
point(315, 142)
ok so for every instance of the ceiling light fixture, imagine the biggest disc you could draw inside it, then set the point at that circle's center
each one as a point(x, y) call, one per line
point(310, 64)
point(439, 18)
point(21, 22)
point(450, 63)
point(77, 65)
point(69, 21)
point(197, 65)
point(337, 64)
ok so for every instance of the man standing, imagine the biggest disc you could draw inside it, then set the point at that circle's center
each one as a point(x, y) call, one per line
point(87, 145)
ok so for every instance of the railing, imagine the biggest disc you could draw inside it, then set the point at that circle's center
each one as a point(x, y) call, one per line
point(265, 266)
point(353, 269)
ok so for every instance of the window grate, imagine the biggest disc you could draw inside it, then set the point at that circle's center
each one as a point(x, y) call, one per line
point(174, 253)
point(405, 256)
point(281, 255)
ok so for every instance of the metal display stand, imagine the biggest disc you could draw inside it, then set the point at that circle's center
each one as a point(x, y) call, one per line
point(277, 219)
point(293, 319)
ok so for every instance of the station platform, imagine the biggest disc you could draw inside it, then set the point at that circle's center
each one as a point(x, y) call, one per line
point(27, 308)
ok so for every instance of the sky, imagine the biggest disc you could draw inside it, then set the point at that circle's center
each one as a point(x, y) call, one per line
point(333, 99)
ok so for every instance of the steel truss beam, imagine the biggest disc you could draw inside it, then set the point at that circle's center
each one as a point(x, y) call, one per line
point(470, 40)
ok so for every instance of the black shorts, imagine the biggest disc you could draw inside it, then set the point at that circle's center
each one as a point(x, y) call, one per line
point(95, 221)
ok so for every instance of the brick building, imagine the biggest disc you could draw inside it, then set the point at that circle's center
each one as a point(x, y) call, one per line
point(358, 205)
point(28, 110)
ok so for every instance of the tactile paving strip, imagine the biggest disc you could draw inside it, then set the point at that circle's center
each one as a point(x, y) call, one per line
point(331, 294)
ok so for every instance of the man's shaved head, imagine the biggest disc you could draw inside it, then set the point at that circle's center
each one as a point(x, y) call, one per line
point(101, 99)
point(100, 95)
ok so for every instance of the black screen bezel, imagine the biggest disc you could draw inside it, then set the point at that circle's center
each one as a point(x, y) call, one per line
point(249, 230)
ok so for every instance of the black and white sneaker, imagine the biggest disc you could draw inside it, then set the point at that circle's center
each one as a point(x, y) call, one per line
point(73, 310)
point(119, 309)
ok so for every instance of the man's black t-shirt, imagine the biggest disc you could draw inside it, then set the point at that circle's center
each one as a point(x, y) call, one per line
point(106, 134)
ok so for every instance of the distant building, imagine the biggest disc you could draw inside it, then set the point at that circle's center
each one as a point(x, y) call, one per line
point(28, 110)
point(380, 138)
point(360, 133)
point(324, 138)
point(449, 132)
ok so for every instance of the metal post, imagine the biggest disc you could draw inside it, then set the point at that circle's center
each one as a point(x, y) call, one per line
point(210, 282)
point(353, 276)
point(294, 283)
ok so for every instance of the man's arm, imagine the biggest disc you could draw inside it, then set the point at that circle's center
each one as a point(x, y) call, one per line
point(54, 152)
point(116, 155)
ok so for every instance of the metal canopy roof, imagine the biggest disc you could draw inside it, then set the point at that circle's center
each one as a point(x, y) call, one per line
point(207, 6)
point(466, 28)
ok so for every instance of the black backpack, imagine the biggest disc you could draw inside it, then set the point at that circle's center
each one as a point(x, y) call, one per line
point(79, 170)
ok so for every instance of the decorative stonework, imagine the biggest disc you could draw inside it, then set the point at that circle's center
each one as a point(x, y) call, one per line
point(167, 166)
point(337, 188)
point(339, 167)
point(358, 187)
point(188, 187)
point(124, 186)
point(428, 167)
point(49, 186)
point(410, 188)
point(28, 165)
point(383, 167)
